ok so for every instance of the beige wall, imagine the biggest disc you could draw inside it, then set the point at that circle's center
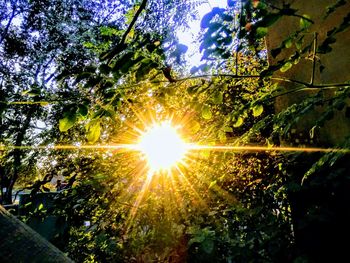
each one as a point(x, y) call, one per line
point(337, 63)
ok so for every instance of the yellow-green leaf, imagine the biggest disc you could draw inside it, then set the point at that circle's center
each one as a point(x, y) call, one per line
point(261, 32)
point(67, 122)
point(206, 112)
point(94, 132)
point(222, 136)
point(288, 43)
point(258, 110)
point(304, 23)
point(217, 97)
point(286, 67)
point(239, 122)
point(227, 129)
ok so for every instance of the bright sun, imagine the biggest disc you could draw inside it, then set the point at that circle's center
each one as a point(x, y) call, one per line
point(162, 146)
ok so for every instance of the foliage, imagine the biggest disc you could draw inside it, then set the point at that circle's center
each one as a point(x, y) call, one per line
point(97, 73)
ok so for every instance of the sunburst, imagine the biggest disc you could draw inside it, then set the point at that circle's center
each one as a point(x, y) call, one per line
point(162, 146)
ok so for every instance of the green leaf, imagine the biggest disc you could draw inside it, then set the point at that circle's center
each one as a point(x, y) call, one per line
point(88, 45)
point(261, 32)
point(286, 66)
point(304, 23)
point(83, 110)
point(41, 206)
point(108, 31)
point(258, 110)
point(207, 245)
point(94, 132)
point(206, 112)
point(32, 92)
point(67, 121)
point(299, 43)
point(217, 97)
point(222, 136)
point(227, 129)
point(288, 43)
point(239, 122)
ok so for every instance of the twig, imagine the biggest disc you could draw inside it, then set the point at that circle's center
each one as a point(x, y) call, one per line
point(234, 76)
point(314, 60)
point(313, 86)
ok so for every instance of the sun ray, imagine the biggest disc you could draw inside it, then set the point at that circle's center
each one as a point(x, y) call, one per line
point(189, 147)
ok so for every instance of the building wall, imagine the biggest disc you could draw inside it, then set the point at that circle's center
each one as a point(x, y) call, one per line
point(336, 63)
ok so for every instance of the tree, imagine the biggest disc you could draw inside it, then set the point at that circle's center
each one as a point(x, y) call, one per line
point(35, 48)
point(239, 205)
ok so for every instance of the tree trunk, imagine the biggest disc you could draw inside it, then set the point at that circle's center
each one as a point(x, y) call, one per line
point(19, 243)
point(17, 156)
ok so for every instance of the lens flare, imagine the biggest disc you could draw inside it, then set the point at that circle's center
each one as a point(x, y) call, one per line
point(162, 146)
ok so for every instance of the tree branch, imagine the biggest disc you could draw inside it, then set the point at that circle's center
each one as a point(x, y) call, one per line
point(234, 76)
point(121, 45)
point(313, 86)
point(8, 24)
point(138, 12)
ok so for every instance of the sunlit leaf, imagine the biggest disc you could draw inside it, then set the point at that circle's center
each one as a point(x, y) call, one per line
point(217, 97)
point(94, 132)
point(227, 129)
point(108, 31)
point(261, 32)
point(222, 136)
point(32, 92)
point(238, 122)
point(258, 110)
point(67, 121)
point(288, 43)
point(304, 23)
point(41, 206)
point(286, 66)
point(206, 112)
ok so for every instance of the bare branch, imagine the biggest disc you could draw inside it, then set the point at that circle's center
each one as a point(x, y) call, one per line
point(13, 14)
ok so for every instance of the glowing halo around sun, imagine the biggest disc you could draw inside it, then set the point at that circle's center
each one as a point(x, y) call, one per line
point(162, 146)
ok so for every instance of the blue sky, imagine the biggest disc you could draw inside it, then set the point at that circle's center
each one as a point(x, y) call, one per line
point(189, 37)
